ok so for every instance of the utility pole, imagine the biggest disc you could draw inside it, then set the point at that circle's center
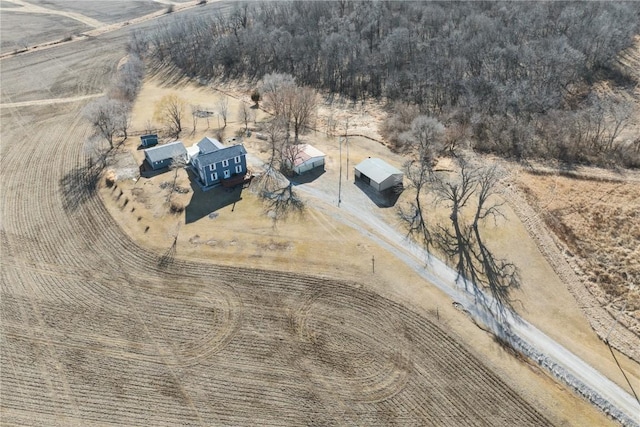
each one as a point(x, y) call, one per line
point(340, 178)
point(346, 141)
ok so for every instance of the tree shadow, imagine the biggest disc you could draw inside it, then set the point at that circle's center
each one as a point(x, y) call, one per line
point(78, 186)
point(167, 258)
point(479, 270)
point(382, 199)
point(282, 202)
point(204, 203)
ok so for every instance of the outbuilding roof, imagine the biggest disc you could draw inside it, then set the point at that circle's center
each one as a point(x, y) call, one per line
point(377, 169)
point(305, 152)
point(220, 155)
point(166, 151)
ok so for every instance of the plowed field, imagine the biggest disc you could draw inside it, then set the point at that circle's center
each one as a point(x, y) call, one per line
point(96, 330)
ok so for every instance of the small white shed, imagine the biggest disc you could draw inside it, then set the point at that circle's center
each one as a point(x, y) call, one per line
point(305, 158)
point(378, 174)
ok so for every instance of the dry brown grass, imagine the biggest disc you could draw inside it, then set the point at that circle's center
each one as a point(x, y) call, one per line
point(599, 223)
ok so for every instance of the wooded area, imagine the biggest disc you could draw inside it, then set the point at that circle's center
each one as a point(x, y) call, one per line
point(516, 77)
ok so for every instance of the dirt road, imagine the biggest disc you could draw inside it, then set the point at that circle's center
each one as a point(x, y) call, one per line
point(358, 212)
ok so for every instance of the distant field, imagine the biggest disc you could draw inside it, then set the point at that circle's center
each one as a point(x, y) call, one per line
point(108, 12)
point(18, 30)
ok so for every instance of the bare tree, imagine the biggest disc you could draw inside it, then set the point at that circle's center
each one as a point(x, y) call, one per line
point(178, 162)
point(107, 116)
point(246, 115)
point(619, 112)
point(290, 153)
point(425, 140)
point(295, 106)
point(170, 112)
point(124, 118)
point(195, 112)
point(280, 199)
point(128, 79)
point(304, 106)
point(462, 241)
point(95, 152)
point(277, 90)
point(223, 109)
point(276, 141)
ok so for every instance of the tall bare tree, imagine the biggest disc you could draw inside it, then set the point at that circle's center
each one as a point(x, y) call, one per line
point(108, 117)
point(304, 107)
point(178, 162)
point(195, 112)
point(246, 115)
point(424, 140)
point(170, 112)
point(277, 90)
point(222, 107)
point(473, 189)
point(279, 198)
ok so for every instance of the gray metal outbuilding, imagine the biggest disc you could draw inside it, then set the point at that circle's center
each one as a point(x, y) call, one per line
point(378, 174)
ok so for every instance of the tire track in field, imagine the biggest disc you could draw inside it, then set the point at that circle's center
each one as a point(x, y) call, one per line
point(49, 101)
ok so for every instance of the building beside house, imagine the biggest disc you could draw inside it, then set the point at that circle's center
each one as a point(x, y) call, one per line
point(149, 140)
point(378, 174)
point(303, 158)
point(161, 156)
point(215, 164)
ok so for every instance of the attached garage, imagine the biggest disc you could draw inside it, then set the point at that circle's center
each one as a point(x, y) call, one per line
point(378, 174)
point(161, 156)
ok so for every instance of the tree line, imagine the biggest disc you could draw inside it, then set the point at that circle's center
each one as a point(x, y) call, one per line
point(517, 77)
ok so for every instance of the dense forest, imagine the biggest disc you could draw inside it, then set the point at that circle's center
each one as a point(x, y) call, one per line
point(514, 78)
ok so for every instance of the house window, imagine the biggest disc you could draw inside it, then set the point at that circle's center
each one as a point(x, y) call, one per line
point(225, 163)
point(239, 169)
point(214, 176)
point(211, 168)
point(227, 173)
point(237, 159)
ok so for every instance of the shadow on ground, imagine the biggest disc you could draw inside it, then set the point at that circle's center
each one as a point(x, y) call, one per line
point(204, 203)
point(307, 177)
point(382, 199)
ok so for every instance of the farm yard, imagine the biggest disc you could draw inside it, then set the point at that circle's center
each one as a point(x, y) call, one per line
point(105, 322)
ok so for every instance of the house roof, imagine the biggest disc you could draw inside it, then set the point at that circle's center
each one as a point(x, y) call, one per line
point(377, 169)
point(166, 151)
point(209, 145)
point(305, 152)
point(221, 154)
